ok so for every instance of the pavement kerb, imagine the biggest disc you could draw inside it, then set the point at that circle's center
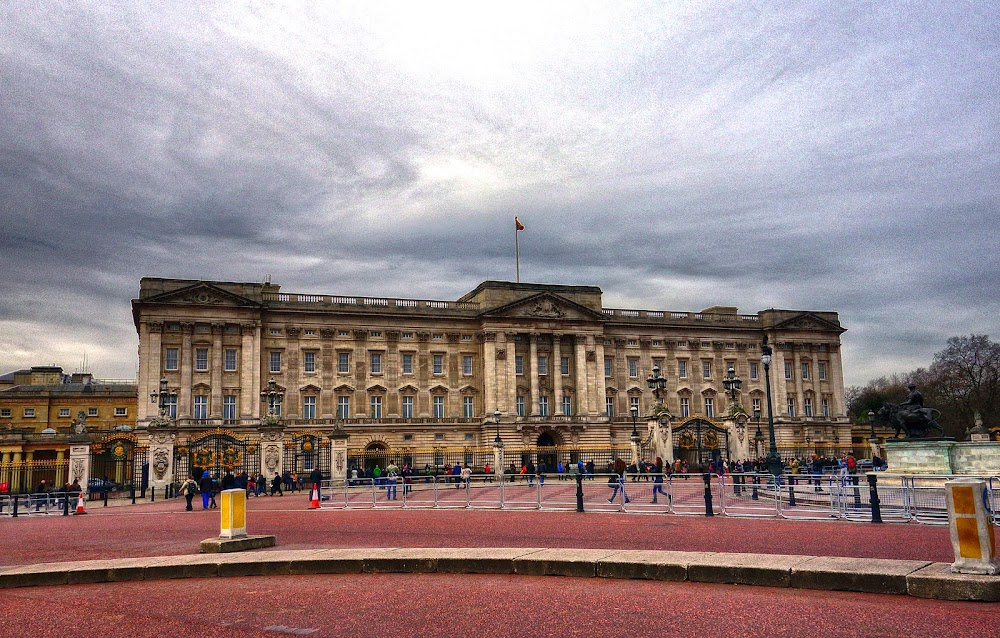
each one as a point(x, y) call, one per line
point(915, 578)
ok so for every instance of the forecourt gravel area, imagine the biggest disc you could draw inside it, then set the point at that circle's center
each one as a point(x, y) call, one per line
point(164, 528)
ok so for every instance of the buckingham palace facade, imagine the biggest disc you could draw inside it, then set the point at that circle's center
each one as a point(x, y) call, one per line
point(561, 370)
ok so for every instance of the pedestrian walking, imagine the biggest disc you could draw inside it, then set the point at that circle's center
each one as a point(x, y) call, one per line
point(188, 490)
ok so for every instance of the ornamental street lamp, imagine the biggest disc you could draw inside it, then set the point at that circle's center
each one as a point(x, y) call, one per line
point(497, 442)
point(634, 437)
point(165, 397)
point(656, 383)
point(774, 464)
point(272, 396)
point(732, 383)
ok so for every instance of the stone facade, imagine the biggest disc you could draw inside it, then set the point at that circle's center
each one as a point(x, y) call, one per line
point(560, 367)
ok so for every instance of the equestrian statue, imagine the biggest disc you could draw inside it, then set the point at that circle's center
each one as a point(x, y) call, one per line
point(910, 416)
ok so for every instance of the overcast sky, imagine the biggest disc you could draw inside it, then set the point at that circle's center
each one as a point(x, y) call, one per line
point(825, 156)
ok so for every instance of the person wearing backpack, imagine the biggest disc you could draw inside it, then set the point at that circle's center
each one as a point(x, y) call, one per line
point(188, 490)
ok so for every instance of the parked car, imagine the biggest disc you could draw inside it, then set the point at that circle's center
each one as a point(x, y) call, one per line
point(865, 465)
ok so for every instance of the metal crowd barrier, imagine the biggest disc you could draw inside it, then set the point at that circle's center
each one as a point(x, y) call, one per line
point(748, 495)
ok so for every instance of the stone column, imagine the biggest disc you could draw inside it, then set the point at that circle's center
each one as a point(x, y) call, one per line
point(249, 371)
point(161, 444)
point(29, 471)
point(800, 403)
point(79, 464)
point(533, 371)
point(556, 372)
point(150, 368)
point(338, 456)
point(60, 469)
point(511, 355)
point(837, 405)
point(290, 407)
point(15, 472)
point(5, 462)
point(271, 451)
point(597, 369)
point(184, 400)
point(215, 407)
point(491, 394)
point(582, 391)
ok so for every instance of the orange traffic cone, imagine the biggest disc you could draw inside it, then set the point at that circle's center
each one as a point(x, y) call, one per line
point(314, 503)
point(80, 509)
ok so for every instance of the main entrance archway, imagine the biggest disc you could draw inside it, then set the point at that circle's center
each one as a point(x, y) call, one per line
point(547, 458)
point(699, 442)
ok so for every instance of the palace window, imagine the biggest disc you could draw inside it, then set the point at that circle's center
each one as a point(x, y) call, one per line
point(343, 362)
point(709, 407)
point(407, 363)
point(275, 360)
point(275, 331)
point(822, 371)
point(5, 413)
point(309, 361)
point(309, 332)
point(633, 402)
point(170, 359)
point(608, 367)
point(468, 407)
point(609, 406)
point(467, 365)
point(438, 405)
point(788, 369)
point(201, 359)
point(633, 367)
point(519, 364)
point(309, 407)
point(200, 407)
point(63, 412)
point(564, 366)
point(682, 369)
point(706, 369)
point(407, 407)
point(805, 370)
point(567, 405)
point(756, 406)
point(519, 405)
point(438, 362)
point(375, 402)
point(91, 411)
point(543, 406)
point(229, 361)
point(229, 407)
point(172, 406)
point(29, 413)
point(121, 411)
point(754, 374)
point(343, 333)
point(791, 407)
point(807, 407)
point(376, 363)
point(632, 342)
point(685, 407)
point(543, 366)
point(826, 407)
point(343, 407)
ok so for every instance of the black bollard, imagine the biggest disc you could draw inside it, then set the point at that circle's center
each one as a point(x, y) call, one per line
point(873, 498)
point(152, 494)
point(105, 497)
point(791, 494)
point(579, 492)
point(132, 490)
point(707, 477)
point(16, 499)
point(65, 504)
point(753, 494)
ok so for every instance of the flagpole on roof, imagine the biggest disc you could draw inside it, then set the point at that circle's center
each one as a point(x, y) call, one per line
point(518, 227)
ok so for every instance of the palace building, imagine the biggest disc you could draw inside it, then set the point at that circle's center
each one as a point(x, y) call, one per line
point(414, 376)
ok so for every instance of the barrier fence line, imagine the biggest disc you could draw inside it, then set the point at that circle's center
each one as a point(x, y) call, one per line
point(901, 498)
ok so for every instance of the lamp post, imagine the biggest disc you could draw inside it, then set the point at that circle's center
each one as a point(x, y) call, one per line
point(774, 464)
point(732, 384)
point(656, 383)
point(634, 437)
point(271, 396)
point(758, 437)
point(497, 446)
point(164, 397)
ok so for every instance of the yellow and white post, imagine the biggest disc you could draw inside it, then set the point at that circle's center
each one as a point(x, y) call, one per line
point(972, 535)
point(234, 514)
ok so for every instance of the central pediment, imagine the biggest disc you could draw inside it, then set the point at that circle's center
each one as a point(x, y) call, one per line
point(545, 306)
point(201, 294)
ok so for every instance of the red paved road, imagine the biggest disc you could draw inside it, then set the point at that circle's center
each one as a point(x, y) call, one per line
point(163, 528)
point(390, 605)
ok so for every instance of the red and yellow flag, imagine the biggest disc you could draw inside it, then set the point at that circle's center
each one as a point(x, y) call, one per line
point(517, 224)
